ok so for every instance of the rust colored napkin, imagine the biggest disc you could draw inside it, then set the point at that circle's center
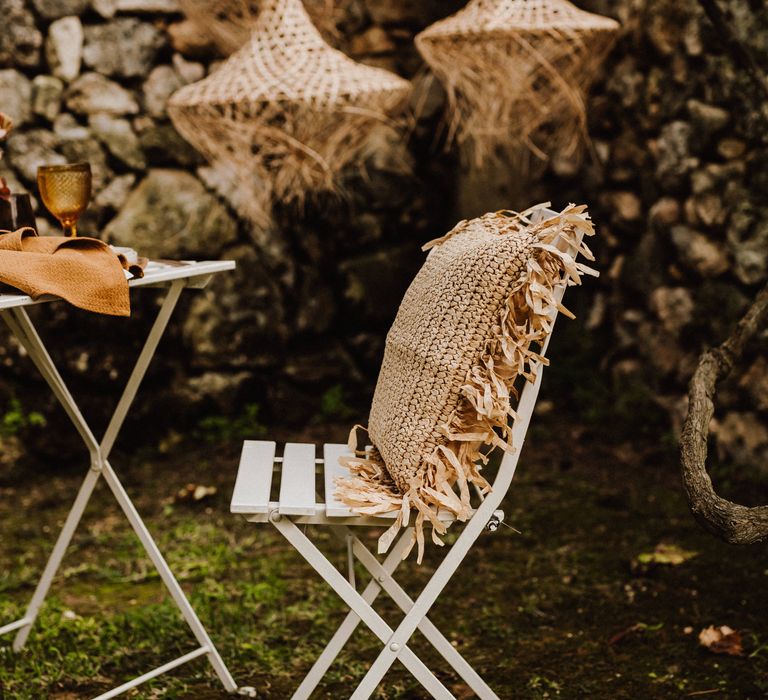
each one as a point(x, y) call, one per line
point(84, 271)
point(135, 268)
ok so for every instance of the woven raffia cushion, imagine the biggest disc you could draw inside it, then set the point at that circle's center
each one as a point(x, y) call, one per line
point(469, 325)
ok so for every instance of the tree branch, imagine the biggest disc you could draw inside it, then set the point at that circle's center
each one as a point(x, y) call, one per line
point(734, 523)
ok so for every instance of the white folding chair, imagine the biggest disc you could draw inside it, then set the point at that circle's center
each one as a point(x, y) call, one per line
point(298, 506)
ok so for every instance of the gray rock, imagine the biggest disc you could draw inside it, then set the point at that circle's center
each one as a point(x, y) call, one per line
point(707, 119)
point(224, 390)
point(67, 128)
point(673, 306)
point(742, 438)
point(115, 194)
point(730, 148)
point(89, 150)
point(20, 41)
point(702, 180)
point(92, 93)
point(29, 149)
point(699, 252)
point(124, 47)
point(53, 9)
point(119, 139)
point(750, 261)
point(627, 205)
point(46, 96)
point(371, 42)
point(748, 243)
point(665, 212)
point(106, 8)
point(709, 209)
point(163, 145)
point(189, 71)
point(64, 47)
point(162, 82)
point(170, 215)
point(375, 282)
point(755, 381)
point(148, 6)
point(15, 96)
point(235, 314)
point(188, 40)
point(663, 34)
point(674, 161)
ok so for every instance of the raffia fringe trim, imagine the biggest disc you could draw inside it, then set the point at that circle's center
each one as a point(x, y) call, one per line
point(483, 416)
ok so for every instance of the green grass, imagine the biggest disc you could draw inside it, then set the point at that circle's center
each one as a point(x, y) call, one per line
point(535, 612)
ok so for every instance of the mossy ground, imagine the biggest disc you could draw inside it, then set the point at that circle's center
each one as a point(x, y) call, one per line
point(540, 613)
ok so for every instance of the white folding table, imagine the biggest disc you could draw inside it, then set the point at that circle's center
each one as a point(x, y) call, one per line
point(174, 277)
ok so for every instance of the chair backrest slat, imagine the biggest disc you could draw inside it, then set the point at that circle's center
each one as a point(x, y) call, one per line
point(528, 397)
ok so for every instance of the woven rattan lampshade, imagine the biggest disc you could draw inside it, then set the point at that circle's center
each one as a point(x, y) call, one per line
point(517, 73)
point(285, 113)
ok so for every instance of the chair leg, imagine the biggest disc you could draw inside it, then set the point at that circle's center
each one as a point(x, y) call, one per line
point(352, 620)
point(355, 601)
point(426, 627)
point(413, 618)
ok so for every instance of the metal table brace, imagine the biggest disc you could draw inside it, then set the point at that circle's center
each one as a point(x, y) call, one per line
point(21, 326)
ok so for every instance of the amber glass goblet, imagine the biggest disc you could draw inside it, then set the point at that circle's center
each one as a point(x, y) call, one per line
point(65, 191)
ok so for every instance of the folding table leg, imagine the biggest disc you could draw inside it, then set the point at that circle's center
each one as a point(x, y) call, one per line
point(54, 560)
point(352, 620)
point(168, 578)
point(355, 601)
point(22, 327)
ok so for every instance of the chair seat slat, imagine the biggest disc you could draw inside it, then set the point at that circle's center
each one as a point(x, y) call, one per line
point(297, 480)
point(333, 507)
point(254, 477)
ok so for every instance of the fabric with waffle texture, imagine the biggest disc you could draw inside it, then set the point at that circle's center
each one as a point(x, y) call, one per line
point(84, 271)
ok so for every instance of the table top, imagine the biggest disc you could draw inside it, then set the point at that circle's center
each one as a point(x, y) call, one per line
point(157, 273)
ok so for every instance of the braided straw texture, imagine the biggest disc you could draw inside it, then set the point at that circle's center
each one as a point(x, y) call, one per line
point(517, 73)
point(469, 325)
point(229, 23)
point(286, 113)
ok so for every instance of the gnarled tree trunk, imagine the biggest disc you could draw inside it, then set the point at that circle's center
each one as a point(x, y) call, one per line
point(734, 523)
point(730, 521)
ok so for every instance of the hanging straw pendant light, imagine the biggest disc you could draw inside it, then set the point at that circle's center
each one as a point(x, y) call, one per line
point(286, 113)
point(516, 73)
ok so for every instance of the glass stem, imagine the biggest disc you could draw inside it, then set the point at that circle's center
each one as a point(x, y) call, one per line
point(70, 228)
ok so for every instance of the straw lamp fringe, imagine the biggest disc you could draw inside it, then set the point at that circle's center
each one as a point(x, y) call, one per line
point(285, 114)
point(516, 74)
point(483, 399)
point(229, 23)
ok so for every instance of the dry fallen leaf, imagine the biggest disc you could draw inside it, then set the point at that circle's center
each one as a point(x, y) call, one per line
point(663, 555)
point(194, 492)
point(721, 640)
